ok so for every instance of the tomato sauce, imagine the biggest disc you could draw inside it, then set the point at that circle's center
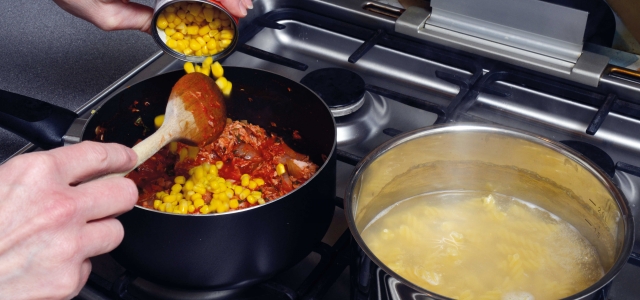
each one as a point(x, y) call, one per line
point(243, 149)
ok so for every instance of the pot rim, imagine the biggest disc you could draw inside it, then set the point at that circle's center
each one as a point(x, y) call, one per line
point(321, 168)
point(623, 205)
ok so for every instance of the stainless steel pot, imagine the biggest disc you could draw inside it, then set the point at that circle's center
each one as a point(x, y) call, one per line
point(494, 159)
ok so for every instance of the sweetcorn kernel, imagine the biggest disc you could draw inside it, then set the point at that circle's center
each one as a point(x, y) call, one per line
point(233, 203)
point(280, 169)
point(214, 204)
point(192, 30)
point(244, 181)
point(162, 22)
point(208, 14)
point(158, 120)
point(188, 186)
point(229, 193)
point(221, 82)
point(169, 198)
point(176, 187)
point(244, 194)
point(237, 190)
point(222, 208)
point(188, 67)
point(173, 44)
point(194, 45)
point(170, 31)
point(252, 185)
point(204, 192)
point(180, 180)
point(193, 151)
point(173, 147)
point(224, 197)
point(226, 90)
point(216, 69)
point(204, 30)
point(183, 154)
point(195, 197)
point(200, 190)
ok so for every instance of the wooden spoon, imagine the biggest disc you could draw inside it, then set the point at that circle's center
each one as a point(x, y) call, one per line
point(195, 115)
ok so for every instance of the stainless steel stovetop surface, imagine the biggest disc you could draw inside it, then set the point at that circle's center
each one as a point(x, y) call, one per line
point(415, 75)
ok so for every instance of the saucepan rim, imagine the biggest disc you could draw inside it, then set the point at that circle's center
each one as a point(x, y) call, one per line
point(623, 205)
point(321, 167)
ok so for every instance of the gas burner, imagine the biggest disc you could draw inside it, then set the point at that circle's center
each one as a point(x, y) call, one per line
point(341, 89)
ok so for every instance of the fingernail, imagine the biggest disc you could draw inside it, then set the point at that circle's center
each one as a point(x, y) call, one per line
point(250, 4)
point(132, 154)
point(243, 10)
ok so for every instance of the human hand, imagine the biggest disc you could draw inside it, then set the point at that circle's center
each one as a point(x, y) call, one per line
point(122, 14)
point(237, 8)
point(110, 14)
point(51, 224)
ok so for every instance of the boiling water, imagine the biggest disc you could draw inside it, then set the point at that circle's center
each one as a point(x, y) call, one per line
point(467, 245)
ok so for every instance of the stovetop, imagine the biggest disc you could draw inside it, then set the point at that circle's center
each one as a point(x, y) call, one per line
point(409, 84)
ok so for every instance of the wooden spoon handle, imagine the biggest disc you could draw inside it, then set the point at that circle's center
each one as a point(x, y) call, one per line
point(152, 144)
point(147, 148)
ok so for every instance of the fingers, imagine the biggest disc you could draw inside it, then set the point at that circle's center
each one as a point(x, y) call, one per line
point(248, 4)
point(242, 8)
point(88, 160)
point(138, 17)
point(101, 236)
point(106, 197)
point(122, 15)
point(236, 7)
point(85, 271)
point(111, 15)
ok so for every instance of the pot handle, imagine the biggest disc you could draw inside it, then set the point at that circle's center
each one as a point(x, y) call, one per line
point(37, 121)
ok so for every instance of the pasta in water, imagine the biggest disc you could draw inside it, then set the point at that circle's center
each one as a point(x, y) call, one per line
point(466, 245)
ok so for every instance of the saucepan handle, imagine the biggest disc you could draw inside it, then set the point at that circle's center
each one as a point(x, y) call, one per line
point(39, 122)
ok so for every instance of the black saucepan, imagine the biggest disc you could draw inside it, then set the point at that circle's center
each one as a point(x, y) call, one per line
point(227, 250)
